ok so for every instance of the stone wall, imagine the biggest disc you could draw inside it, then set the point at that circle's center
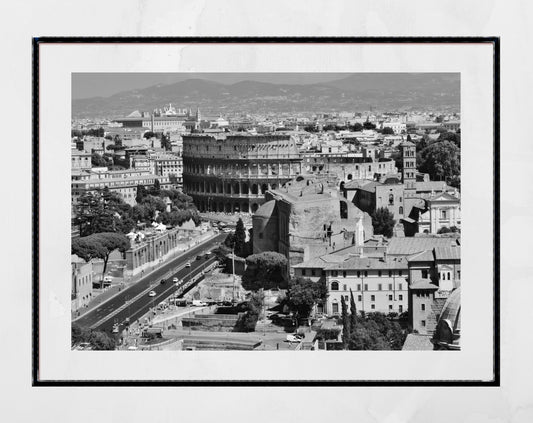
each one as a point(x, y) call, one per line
point(211, 322)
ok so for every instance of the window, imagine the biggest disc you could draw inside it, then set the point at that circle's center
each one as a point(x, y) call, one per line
point(335, 308)
point(334, 273)
point(443, 214)
point(323, 273)
point(424, 274)
point(400, 286)
point(366, 274)
point(379, 273)
point(391, 199)
point(400, 210)
point(390, 287)
point(372, 298)
point(358, 273)
point(373, 306)
point(366, 287)
point(359, 298)
point(312, 272)
point(390, 297)
point(346, 298)
point(303, 272)
point(448, 275)
point(390, 307)
point(423, 323)
point(344, 288)
point(400, 308)
point(390, 273)
point(400, 297)
point(359, 287)
point(380, 287)
point(423, 307)
point(334, 286)
point(458, 274)
point(344, 274)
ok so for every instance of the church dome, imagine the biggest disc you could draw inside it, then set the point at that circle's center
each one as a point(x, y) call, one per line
point(448, 332)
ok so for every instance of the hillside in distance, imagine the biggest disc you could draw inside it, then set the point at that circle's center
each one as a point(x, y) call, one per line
point(356, 92)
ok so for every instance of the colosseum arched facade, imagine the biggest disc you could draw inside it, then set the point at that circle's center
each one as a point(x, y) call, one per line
point(231, 173)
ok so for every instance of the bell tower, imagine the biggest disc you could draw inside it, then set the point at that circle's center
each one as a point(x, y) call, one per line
point(409, 164)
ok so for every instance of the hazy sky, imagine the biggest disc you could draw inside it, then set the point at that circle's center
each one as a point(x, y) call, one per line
point(85, 85)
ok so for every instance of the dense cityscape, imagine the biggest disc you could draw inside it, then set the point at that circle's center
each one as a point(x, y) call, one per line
point(269, 230)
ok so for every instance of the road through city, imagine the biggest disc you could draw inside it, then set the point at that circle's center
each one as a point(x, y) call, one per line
point(133, 305)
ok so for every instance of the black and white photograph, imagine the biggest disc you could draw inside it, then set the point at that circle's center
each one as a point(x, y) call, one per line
point(266, 211)
point(197, 215)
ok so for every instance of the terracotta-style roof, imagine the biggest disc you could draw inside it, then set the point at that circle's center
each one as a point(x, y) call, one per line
point(448, 253)
point(411, 245)
point(426, 255)
point(417, 342)
point(368, 263)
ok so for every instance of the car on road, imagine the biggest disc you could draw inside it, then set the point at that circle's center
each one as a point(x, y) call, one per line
point(163, 281)
point(198, 303)
point(227, 230)
point(188, 264)
point(175, 280)
point(152, 294)
point(198, 257)
point(207, 255)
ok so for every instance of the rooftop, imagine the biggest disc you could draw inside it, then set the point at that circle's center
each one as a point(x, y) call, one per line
point(448, 253)
point(423, 284)
point(411, 245)
point(417, 342)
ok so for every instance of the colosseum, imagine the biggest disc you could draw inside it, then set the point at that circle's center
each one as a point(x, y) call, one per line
point(231, 173)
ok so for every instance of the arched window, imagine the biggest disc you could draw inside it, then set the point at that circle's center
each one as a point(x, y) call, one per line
point(400, 210)
point(334, 286)
point(391, 199)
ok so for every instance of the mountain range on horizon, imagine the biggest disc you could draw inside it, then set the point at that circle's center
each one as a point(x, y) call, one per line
point(356, 92)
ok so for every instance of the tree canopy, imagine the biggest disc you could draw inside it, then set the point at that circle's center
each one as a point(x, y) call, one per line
point(368, 125)
point(239, 238)
point(303, 294)
point(383, 222)
point(98, 340)
point(387, 130)
point(442, 161)
point(452, 137)
point(102, 211)
point(265, 270)
point(373, 331)
point(99, 246)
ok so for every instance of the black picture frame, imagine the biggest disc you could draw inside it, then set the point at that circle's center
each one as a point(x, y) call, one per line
point(38, 41)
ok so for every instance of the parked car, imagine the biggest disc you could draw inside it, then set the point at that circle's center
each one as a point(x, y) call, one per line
point(198, 257)
point(198, 303)
point(188, 264)
point(175, 280)
point(294, 337)
point(152, 294)
point(163, 281)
